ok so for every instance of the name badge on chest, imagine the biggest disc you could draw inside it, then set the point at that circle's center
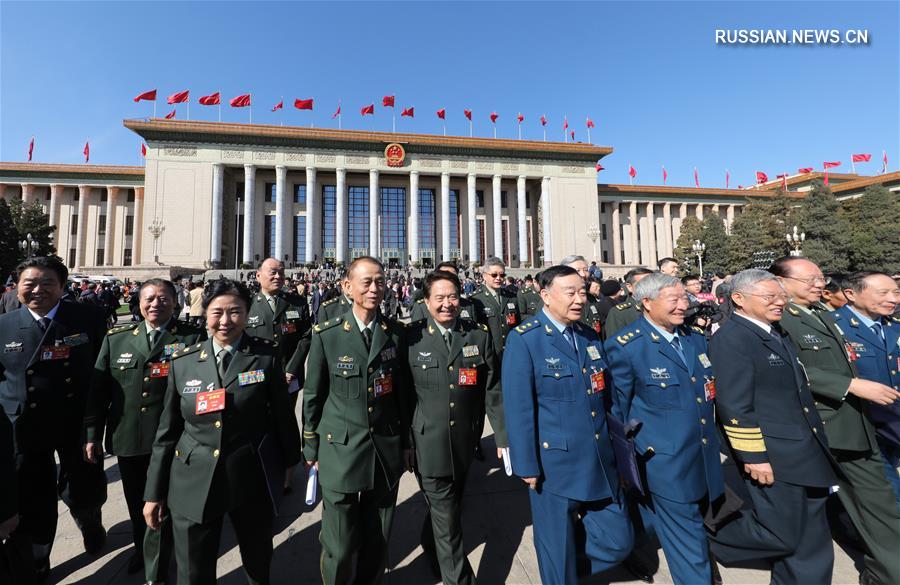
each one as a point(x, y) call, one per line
point(55, 352)
point(598, 382)
point(709, 389)
point(383, 385)
point(468, 376)
point(212, 401)
point(159, 369)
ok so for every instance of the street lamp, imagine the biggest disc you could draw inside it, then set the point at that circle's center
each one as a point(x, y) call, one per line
point(593, 233)
point(698, 249)
point(29, 246)
point(796, 240)
point(156, 229)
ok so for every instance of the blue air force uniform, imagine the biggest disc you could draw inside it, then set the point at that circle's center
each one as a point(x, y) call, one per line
point(553, 396)
point(670, 388)
point(877, 358)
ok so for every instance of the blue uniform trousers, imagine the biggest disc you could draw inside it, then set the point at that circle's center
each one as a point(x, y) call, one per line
point(680, 530)
point(609, 535)
point(891, 454)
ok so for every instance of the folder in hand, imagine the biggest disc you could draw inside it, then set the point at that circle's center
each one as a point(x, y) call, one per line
point(622, 437)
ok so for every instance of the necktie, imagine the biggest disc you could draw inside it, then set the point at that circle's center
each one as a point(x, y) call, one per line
point(676, 343)
point(44, 323)
point(570, 337)
point(152, 336)
point(224, 360)
point(367, 337)
point(876, 329)
point(271, 301)
point(447, 339)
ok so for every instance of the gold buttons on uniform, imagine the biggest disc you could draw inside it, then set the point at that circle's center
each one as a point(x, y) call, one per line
point(450, 369)
point(68, 380)
point(121, 367)
point(556, 375)
point(703, 440)
point(370, 390)
point(593, 413)
point(328, 436)
point(699, 401)
point(452, 422)
point(584, 370)
point(371, 429)
point(546, 445)
point(693, 378)
point(452, 404)
point(805, 409)
point(597, 436)
point(29, 372)
point(423, 366)
point(66, 364)
point(143, 409)
point(815, 430)
point(177, 453)
point(702, 421)
point(371, 370)
point(371, 409)
point(452, 386)
point(216, 453)
point(662, 385)
point(146, 379)
point(31, 388)
point(344, 372)
point(145, 394)
point(218, 424)
point(33, 405)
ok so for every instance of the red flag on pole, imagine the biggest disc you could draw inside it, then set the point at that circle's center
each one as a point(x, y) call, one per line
point(783, 181)
point(368, 110)
point(494, 117)
point(761, 177)
point(442, 113)
point(727, 178)
point(468, 114)
point(143, 150)
point(336, 113)
point(665, 175)
point(520, 118)
point(179, 98)
point(696, 178)
point(149, 96)
point(861, 158)
point(831, 165)
point(543, 120)
point(590, 123)
point(572, 134)
point(213, 99)
point(241, 101)
point(410, 112)
point(883, 161)
point(308, 105)
point(170, 115)
point(387, 101)
point(279, 105)
point(631, 172)
point(804, 170)
point(87, 151)
point(598, 167)
point(565, 123)
point(30, 148)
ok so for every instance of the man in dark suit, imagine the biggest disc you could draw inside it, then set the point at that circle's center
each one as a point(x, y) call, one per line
point(777, 439)
point(628, 311)
point(49, 349)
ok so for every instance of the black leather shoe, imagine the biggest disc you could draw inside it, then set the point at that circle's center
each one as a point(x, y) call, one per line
point(638, 568)
point(42, 569)
point(135, 563)
point(94, 536)
point(716, 575)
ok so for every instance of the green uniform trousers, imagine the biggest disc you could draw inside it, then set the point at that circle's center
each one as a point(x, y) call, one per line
point(357, 523)
point(154, 545)
point(442, 530)
point(869, 501)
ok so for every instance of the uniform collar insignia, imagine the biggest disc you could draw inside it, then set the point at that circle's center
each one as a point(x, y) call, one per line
point(552, 361)
point(431, 329)
point(548, 330)
point(346, 325)
point(654, 336)
point(203, 355)
point(854, 322)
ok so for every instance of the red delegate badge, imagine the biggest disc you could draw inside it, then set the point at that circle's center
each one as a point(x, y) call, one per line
point(288, 328)
point(468, 376)
point(212, 401)
point(384, 385)
point(709, 389)
point(510, 319)
point(159, 369)
point(851, 353)
point(598, 382)
point(55, 352)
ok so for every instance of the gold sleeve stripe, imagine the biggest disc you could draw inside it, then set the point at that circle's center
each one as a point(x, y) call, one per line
point(742, 430)
point(744, 436)
point(748, 445)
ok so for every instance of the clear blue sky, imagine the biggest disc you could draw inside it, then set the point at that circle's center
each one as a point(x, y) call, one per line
point(648, 73)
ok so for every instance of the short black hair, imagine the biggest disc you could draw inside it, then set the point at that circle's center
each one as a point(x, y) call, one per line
point(163, 283)
point(835, 282)
point(857, 281)
point(550, 274)
point(666, 260)
point(528, 277)
point(689, 277)
point(781, 267)
point(447, 264)
point(360, 260)
point(437, 276)
point(226, 286)
point(634, 272)
point(44, 263)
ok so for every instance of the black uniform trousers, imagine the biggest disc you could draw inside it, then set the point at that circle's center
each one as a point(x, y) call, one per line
point(442, 528)
point(154, 545)
point(787, 525)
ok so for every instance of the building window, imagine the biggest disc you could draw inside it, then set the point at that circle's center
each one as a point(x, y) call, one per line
point(73, 231)
point(479, 198)
point(393, 219)
point(103, 196)
point(505, 226)
point(603, 231)
point(239, 192)
point(71, 257)
point(300, 194)
point(300, 238)
point(77, 195)
point(426, 218)
point(129, 225)
point(47, 196)
point(130, 199)
point(603, 208)
point(527, 200)
point(270, 192)
point(454, 221)
point(126, 257)
point(101, 225)
point(503, 199)
point(358, 229)
point(605, 257)
point(482, 235)
point(269, 237)
point(99, 257)
point(329, 202)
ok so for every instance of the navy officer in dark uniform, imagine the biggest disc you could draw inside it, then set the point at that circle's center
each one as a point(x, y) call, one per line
point(554, 380)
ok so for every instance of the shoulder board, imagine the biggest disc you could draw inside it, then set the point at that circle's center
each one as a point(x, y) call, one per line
point(629, 335)
point(623, 306)
point(330, 301)
point(531, 325)
point(319, 327)
point(122, 328)
point(696, 329)
point(262, 341)
point(895, 319)
point(188, 350)
point(420, 301)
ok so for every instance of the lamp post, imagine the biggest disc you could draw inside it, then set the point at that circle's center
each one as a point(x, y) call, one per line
point(698, 249)
point(796, 240)
point(156, 229)
point(593, 233)
point(29, 246)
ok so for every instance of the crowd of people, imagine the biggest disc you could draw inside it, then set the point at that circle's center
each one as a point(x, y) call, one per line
point(618, 403)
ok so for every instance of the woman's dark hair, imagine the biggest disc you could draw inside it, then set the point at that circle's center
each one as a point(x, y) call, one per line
point(439, 275)
point(226, 286)
point(161, 282)
point(44, 263)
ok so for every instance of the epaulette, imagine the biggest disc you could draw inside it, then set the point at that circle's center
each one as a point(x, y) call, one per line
point(330, 301)
point(320, 327)
point(895, 319)
point(263, 341)
point(188, 350)
point(793, 311)
point(631, 335)
point(696, 329)
point(623, 306)
point(420, 301)
point(483, 327)
point(526, 326)
point(122, 328)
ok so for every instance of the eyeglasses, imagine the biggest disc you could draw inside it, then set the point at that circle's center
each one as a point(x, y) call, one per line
point(769, 298)
point(811, 281)
point(497, 274)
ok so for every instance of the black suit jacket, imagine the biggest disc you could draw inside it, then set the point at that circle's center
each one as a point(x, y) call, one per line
point(8, 496)
point(765, 407)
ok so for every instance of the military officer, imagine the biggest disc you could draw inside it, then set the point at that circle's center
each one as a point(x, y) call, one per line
point(126, 401)
point(627, 312)
point(841, 396)
point(554, 380)
point(226, 407)
point(873, 335)
point(590, 316)
point(662, 376)
point(528, 298)
point(767, 413)
point(333, 308)
point(356, 427)
point(456, 376)
point(49, 348)
point(495, 307)
point(466, 309)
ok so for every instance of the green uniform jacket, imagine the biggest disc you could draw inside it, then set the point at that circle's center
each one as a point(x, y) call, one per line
point(420, 311)
point(333, 308)
point(822, 352)
point(289, 326)
point(621, 316)
point(530, 302)
point(201, 461)
point(499, 318)
point(347, 428)
point(127, 391)
point(447, 415)
point(590, 313)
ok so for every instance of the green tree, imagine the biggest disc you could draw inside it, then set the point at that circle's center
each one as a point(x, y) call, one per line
point(874, 222)
point(826, 228)
point(691, 230)
point(31, 219)
point(715, 239)
point(10, 255)
point(760, 227)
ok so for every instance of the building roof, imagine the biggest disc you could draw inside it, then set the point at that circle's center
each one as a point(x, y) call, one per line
point(48, 172)
point(803, 179)
point(607, 189)
point(863, 182)
point(161, 130)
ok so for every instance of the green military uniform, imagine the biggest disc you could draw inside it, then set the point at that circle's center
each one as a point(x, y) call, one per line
point(500, 314)
point(356, 425)
point(207, 461)
point(126, 399)
point(420, 311)
point(530, 302)
point(590, 313)
point(333, 308)
point(864, 490)
point(622, 315)
point(453, 388)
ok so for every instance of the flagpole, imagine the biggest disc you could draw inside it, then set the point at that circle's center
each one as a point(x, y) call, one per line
point(445, 128)
point(250, 108)
point(282, 108)
point(566, 128)
point(852, 163)
point(189, 110)
point(630, 178)
point(154, 108)
point(470, 128)
point(589, 135)
point(394, 121)
point(220, 105)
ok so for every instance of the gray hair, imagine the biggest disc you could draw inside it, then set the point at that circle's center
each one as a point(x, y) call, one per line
point(747, 279)
point(650, 286)
point(494, 261)
point(571, 259)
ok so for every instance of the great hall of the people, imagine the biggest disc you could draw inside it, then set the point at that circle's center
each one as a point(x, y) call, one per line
point(223, 195)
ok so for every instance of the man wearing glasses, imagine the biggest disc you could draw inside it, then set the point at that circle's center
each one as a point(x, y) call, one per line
point(494, 306)
point(841, 397)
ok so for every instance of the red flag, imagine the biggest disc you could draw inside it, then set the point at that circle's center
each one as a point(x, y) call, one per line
point(861, 158)
point(368, 110)
point(336, 113)
point(727, 178)
point(783, 181)
point(883, 161)
point(30, 148)
point(590, 123)
point(170, 115)
point(831, 165)
point(241, 101)
point(761, 177)
point(150, 96)
point(494, 117)
point(696, 178)
point(804, 170)
point(143, 150)
point(572, 134)
point(279, 105)
point(387, 101)
point(308, 105)
point(442, 113)
point(665, 175)
point(87, 151)
point(468, 114)
point(631, 172)
point(598, 167)
point(179, 98)
point(411, 112)
point(213, 99)
point(520, 118)
point(543, 120)
point(566, 123)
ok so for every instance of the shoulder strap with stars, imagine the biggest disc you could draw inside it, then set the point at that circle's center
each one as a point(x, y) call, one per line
point(188, 350)
point(320, 327)
point(122, 328)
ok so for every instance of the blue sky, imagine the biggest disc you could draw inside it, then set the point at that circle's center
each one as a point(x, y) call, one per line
point(648, 73)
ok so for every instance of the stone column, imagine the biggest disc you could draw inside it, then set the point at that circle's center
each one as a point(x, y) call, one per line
point(218, 195)
point(249, 211)
point(472, 205)
point(281, 209)
point(523, 228)
point(729, 217)
point(340, 217)
point(84, 192)
point(545, 211)
point(137, 225)
point(699, 211)
point(651, 235)
point(634, 227)
point(413, 223)
point(112, 194)
point(617, 240)
point(715, 208)
point(497, 217)
point(667, 233)
point(445, 217)
point(313, 230)
point(27, 193)
point(374, 242)
point(55, 193)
